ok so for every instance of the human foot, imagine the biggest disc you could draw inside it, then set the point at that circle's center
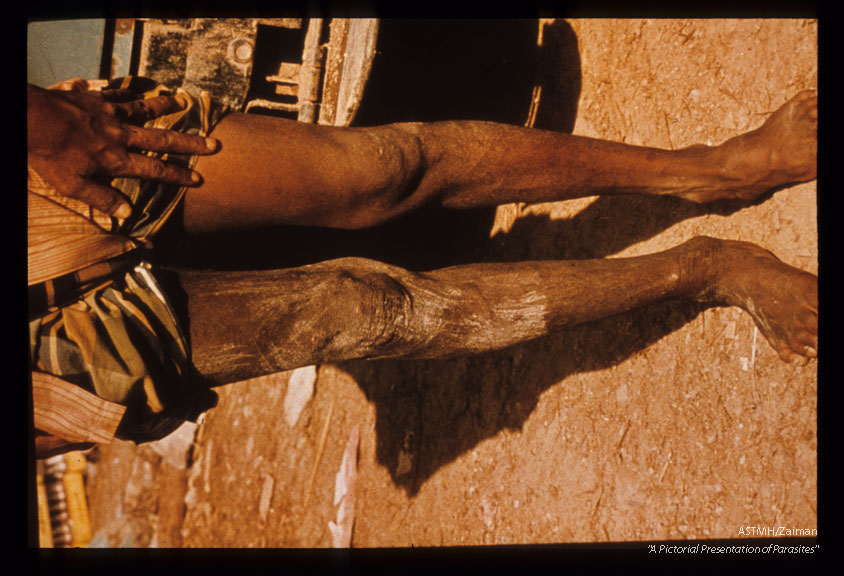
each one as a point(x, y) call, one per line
point(782, 300)
point(782, 151)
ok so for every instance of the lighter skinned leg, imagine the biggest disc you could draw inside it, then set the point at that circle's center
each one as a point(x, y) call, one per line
point(273, 172)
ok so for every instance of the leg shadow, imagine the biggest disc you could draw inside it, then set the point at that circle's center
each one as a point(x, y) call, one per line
point(430, 412)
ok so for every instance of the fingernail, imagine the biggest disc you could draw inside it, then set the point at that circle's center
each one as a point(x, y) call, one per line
point(211, 143)
point(123, 212)
point(195, 177)
point(181, 101)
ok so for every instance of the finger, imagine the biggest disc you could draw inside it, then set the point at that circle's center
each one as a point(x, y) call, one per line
point(149, 108)
point(160, 140)
point(146, 168)
point(103, 198)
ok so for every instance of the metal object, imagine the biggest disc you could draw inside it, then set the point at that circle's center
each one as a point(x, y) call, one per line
point(57, 502)
point(351, 52)
point(332, 75)
point(323, 84)
point(66, 502)
point(302, 80)
point(45, 532)
point(242, 50)
point(121, 50)
point(200, 54)
point(218, 55)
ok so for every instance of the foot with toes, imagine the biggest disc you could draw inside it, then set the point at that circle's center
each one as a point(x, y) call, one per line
point(781, 152)
point(782, 300)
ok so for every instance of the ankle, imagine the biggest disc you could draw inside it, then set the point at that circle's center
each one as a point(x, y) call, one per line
point(702, 264)
point(751, 166)
point(720, 171)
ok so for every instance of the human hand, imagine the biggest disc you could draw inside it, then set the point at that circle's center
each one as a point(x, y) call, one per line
point(78, 142)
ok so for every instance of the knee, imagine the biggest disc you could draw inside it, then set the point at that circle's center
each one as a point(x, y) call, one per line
point(378, 305)
point(392, 172)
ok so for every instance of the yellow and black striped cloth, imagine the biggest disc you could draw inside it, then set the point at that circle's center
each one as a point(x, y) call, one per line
point(98, 319)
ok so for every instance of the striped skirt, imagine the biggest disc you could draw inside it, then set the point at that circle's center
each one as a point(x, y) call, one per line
point(98, 318)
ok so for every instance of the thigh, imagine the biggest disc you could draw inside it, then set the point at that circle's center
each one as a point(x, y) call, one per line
point(245, 324)
point(274, 172)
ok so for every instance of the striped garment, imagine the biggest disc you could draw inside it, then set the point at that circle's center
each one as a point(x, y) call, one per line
point(107, 355)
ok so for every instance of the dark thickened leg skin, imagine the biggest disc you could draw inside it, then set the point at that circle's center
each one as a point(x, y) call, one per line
point(246, 324)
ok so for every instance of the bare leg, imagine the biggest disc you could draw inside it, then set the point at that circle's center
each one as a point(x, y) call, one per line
point(245, 324)
point(277, 172)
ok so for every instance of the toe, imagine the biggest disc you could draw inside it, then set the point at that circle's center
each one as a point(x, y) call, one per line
point(809, 320)
point(805, 341)
point(782, 349)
